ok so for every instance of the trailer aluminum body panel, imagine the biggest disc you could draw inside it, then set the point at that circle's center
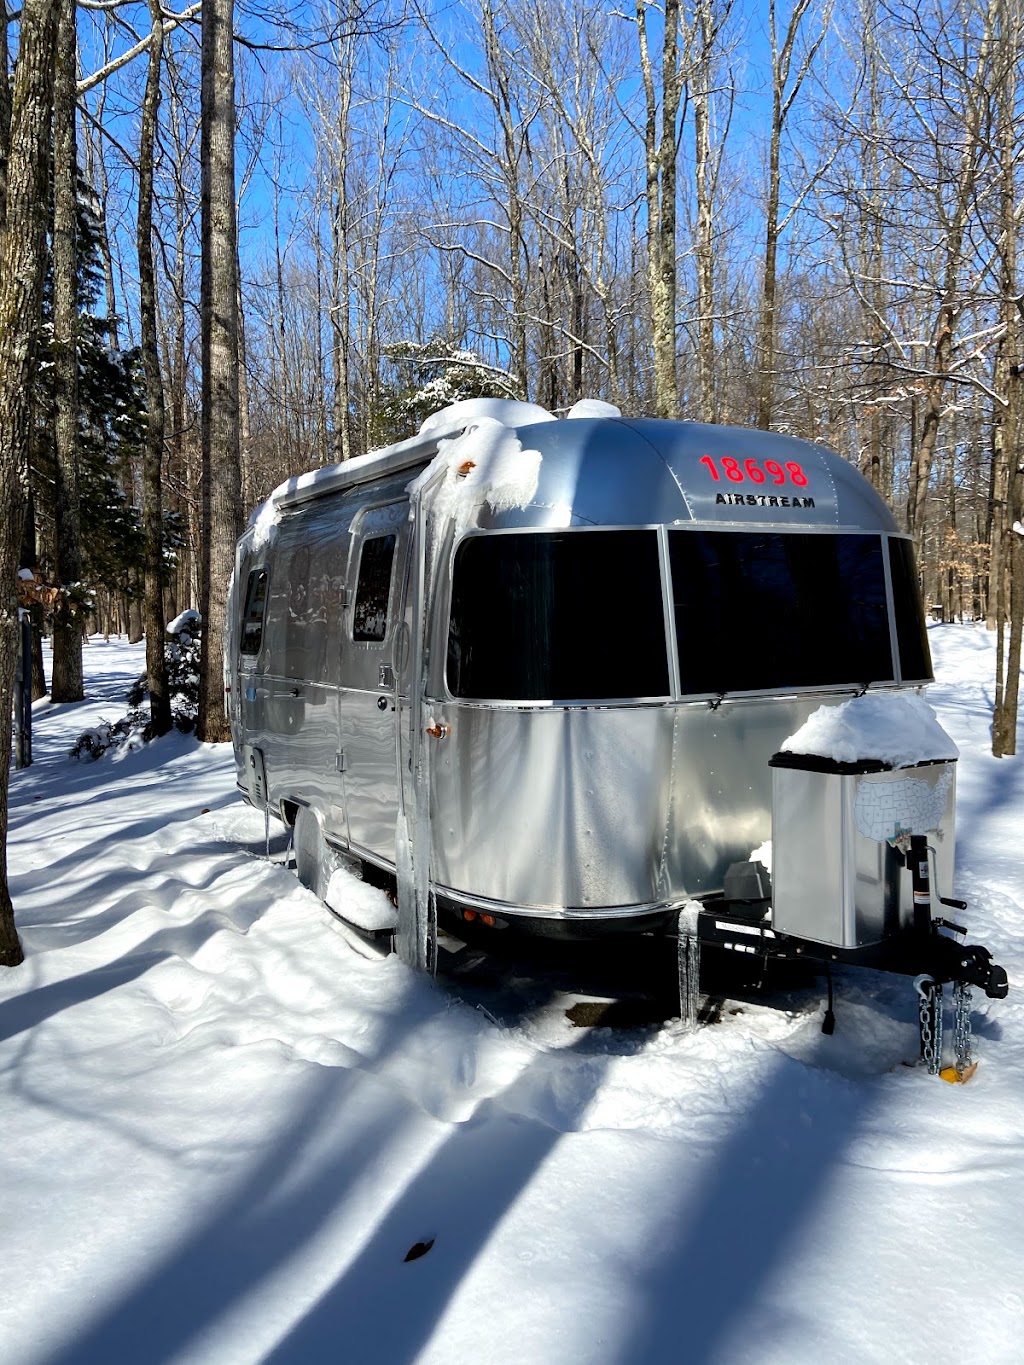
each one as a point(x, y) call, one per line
point(682, 590)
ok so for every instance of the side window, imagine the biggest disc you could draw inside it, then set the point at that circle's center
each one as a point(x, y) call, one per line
point(253, 613)
point(373, 590)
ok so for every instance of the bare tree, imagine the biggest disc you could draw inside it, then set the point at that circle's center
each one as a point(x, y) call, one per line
point(5, 110)
point(222, 511)
point(955, 184)
point(661, 149)
point(786, 85)
point(152, 465)
point(22, 255)
point(66, 683)
point(704, 35)
point(1008, 537)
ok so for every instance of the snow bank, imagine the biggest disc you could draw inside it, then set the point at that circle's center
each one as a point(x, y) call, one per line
point(225, 1126)
point(486, 464)
point(896, 729)
point(510, 412)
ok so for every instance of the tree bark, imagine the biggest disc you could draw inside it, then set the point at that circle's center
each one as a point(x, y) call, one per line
point(221, 479)
point(152, 460)
point(781, 103)
point(943, 334)
point(66, 683)
point(341, 285)
point(706, 368)
point(5, 112)
point(22, 257)
point(1010, 560)
point(514, 152)
point(661, 152)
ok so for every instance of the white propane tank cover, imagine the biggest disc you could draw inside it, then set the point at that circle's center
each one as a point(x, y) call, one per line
point(899, 729)
point(510, 412)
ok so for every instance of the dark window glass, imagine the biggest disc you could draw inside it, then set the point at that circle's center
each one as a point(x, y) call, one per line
point(763, 611)
point(915, 656)
point(370, 614)
point(569, 615)
point(252, 616)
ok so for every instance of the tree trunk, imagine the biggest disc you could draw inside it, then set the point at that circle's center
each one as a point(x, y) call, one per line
point(22, 256)
point(152, 460)
point(708, 410)
point(66, 684)
point(221, 481)
point(661, 155)
point(514, 152)
point(29, 559)
point(136, 626)
point(5, 113)
point(341, 287)
point(781, 104)
point(1011, 558)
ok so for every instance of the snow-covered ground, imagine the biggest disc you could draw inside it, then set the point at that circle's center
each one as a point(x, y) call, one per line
point(223, 1128)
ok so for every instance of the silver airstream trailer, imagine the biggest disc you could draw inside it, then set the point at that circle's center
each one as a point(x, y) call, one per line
point(541, 672)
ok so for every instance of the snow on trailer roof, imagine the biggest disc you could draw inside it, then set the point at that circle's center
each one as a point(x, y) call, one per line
point(415, 450)
point(600, 469)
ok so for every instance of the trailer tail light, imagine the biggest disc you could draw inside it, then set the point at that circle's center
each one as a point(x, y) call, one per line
point(492, 921)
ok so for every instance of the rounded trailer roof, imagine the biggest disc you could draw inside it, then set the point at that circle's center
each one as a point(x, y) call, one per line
point(615, 472)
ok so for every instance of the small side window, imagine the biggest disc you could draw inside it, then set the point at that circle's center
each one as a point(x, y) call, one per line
point(252, 616)
point(373, 590)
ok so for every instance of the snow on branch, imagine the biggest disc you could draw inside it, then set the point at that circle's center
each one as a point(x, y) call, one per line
point(170, 23)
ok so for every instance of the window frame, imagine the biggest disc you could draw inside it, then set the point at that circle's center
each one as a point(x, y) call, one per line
point(880, 535)
point(548, 703)
point(895, 615)
point(374, 642)
point(246, 619)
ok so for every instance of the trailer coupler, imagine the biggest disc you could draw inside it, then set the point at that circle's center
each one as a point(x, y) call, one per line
point(965, 964)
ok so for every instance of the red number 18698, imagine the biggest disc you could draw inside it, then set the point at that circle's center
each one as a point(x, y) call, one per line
point(770, 471)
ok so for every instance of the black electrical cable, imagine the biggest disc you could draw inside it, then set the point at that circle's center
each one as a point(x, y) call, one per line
point(828, 1024)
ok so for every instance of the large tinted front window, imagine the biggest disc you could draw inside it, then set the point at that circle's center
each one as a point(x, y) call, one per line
point(567, 615)
point(763, 611)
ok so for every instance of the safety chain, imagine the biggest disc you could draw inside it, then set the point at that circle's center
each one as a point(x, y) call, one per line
point(962, 1025)
point(929, 1012)
point(937, 1003)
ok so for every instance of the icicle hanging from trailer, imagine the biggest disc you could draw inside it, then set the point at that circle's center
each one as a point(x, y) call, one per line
point(484, 464)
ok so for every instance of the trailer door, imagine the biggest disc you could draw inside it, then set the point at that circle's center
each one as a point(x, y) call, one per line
point(367, 698)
